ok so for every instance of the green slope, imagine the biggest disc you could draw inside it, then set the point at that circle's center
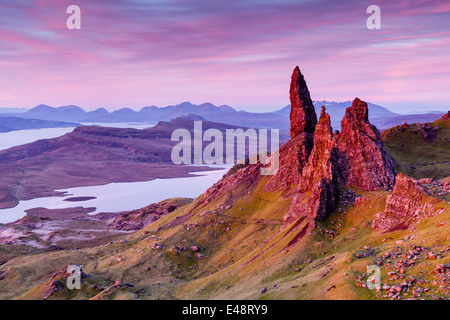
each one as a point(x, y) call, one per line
point(244, 248)
point(416, 156)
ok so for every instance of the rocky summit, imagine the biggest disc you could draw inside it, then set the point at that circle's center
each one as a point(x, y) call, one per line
point(294, 155)
point(303, 115)
point(363, 160)
point(354, 157)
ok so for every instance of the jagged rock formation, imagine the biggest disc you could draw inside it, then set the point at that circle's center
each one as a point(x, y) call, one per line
point(446, 116)
point(303, 116)
point(355, 157)
point(315, 161)
point(408, 203)
point(362, 159)
point(319, 175)
point(322, 157)
point(295, 153)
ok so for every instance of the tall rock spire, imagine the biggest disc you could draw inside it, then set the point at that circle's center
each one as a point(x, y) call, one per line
point(303, 116)
point(295, 153)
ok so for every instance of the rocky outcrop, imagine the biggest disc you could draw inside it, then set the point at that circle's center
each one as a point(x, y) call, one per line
point(315, 161)
point(429, 133)
point(408, 203)
point(446, 116)
point(57, 282)
point(322, 159)
point(362, 159)
point(319, 175)
point(303, 115)
point(294, 155)
point(354, 157)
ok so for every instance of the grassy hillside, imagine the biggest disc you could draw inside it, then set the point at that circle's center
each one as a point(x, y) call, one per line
point(236, 247)
point(415, 154)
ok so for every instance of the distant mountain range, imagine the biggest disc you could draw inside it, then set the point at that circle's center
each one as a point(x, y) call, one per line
point(380, 116)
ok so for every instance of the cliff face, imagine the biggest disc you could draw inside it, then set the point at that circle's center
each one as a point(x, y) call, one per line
point(294, 155)
point(319, 176)
point(303, 116)
point(408, 203)
point(137, 219)
point(362, 159)
point(354, 157)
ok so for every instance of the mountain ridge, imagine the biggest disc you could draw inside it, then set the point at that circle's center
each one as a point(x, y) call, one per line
point(380, 116)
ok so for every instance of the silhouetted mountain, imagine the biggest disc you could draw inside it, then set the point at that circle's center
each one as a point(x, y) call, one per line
point(378, 115)
point(64, 113)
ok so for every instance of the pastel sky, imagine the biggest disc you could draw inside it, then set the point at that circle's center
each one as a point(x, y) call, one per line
point(136, 53)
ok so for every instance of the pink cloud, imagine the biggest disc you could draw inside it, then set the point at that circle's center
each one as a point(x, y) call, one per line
point(136, 53)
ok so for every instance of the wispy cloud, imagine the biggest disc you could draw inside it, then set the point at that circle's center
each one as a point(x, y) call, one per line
point(140, 52)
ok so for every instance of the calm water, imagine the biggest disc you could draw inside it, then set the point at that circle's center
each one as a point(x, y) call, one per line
point(17, 138)
point(115, 197)
point(112, 197)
